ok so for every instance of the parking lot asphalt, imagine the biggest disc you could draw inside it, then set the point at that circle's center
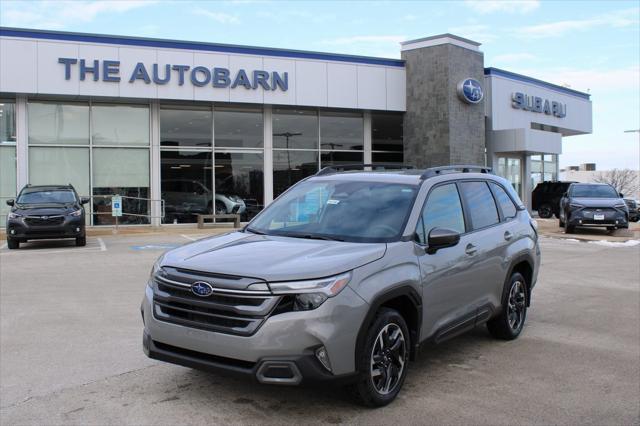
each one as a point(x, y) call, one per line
point(70, 350)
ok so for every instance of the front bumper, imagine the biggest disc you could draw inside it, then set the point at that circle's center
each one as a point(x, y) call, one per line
point(288, 340)
point(20, 229)
point(594, 218)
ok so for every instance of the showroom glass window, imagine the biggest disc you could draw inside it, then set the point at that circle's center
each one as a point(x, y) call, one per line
point(120, 136)
point(186, 185)
point(59, 142)
point(186, 162)
point(387, 138)
point(239, 182)
point(238, 127)
point(7, 155)
point(341, 137)
point(186, 127)
point(510, 169)
point(295, 146)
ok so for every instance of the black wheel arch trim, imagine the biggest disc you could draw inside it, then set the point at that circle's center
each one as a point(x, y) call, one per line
point(527, 258)
point(374, 306)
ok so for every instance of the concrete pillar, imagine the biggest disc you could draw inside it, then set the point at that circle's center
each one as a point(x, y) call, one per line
point(22, 138)
point(439, 127)
point(155, 183)
point(268, 155)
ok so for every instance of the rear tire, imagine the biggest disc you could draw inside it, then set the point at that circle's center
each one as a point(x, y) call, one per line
point(545, 211)
point(509, 324)
point(12, 244)
point(383, 360)
point(81, 241)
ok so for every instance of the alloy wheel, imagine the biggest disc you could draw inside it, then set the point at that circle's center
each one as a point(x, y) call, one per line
point(388, 358)
point(516, 305)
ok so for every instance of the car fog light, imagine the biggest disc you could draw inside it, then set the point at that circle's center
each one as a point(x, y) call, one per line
point(77, 229)
point(323, 357)
point(13, 232)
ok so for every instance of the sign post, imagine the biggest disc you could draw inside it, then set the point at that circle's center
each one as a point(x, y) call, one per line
point(116, 208)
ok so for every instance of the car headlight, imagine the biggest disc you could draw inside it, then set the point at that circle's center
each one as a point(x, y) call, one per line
point(619, 206)
point(310, 294)
point(13, 215)
point(76, 213)
point(576, 206)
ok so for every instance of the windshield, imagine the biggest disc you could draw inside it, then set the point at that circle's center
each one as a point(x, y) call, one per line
point(345, 211)
point(593, 191)
point(56, 196)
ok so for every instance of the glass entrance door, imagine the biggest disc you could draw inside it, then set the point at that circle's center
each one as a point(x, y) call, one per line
point(510, 168)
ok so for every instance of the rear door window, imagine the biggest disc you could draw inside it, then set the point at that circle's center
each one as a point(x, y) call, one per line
point(506, 204)
point(480, 203)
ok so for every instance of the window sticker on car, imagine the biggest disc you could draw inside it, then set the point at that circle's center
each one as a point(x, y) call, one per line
point(333, 201)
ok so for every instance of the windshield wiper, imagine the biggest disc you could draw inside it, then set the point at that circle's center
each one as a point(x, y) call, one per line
point(313, 237)
point(255, 231)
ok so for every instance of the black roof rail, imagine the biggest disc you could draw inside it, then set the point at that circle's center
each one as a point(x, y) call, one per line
point(436, 171)
point(357, 166)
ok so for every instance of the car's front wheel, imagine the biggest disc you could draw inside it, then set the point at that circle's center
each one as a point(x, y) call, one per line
point(508, 325)
point(13, 244)
point(81, 241)
point(383, 360)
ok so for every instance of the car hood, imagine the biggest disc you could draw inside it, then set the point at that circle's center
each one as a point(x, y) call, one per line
point(597, 202)
point(44, 209)
point(272, 258)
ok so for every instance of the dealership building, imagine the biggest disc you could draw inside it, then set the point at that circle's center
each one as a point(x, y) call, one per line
point(179, 128)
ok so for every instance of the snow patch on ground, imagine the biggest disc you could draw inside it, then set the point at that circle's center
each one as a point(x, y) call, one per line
point(629, 243)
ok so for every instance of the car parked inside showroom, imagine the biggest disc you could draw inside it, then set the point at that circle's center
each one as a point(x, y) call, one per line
point(46, 212)
point(187, 197)
point(345, 276)
point(593, 205)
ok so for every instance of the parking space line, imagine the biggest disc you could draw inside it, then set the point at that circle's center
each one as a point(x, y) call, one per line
point(103, 246)
point(3, 246)
point(188, 237)
point(92, 248)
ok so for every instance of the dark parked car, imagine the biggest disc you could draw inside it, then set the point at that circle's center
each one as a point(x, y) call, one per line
point(632, 205)
point(46, 212)
point(545, 198)
point(593, 204)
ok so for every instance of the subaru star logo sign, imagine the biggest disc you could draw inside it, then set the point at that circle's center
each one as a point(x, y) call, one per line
point(470, 91)
point(201, 288)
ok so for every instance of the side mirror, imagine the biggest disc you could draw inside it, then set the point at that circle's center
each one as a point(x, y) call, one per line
point(84, 200)
point(621, 194)
point(11, 202)
point(440, 238)
point(566, 194)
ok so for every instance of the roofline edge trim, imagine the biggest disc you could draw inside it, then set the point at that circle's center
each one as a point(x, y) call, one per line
point(195, 45)
point(491, 71)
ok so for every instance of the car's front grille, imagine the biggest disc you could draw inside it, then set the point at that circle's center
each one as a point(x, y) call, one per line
point(44, 220)
point(225, 310)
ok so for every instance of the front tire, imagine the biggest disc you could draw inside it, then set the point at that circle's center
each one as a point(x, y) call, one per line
point(13, 244)
point(81, 241)
point(509, 324)
point(383, 360)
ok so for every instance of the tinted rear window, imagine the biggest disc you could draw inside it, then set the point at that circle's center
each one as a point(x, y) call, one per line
point(482, 207)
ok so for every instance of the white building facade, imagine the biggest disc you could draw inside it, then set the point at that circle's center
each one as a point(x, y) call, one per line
point(182, 128)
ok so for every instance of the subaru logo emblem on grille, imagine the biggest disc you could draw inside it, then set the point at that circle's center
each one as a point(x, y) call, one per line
point(44, 217)
point(201, 288)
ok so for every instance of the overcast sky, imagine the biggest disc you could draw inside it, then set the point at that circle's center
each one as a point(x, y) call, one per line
point(589, 46)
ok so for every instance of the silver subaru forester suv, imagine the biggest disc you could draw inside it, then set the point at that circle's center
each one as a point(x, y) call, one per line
point(345, 276)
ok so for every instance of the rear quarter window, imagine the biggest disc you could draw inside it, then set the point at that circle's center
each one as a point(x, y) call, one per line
point(509, 209)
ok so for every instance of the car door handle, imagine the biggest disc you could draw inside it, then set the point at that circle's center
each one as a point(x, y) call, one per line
point(470, 249)
point(508, 235)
